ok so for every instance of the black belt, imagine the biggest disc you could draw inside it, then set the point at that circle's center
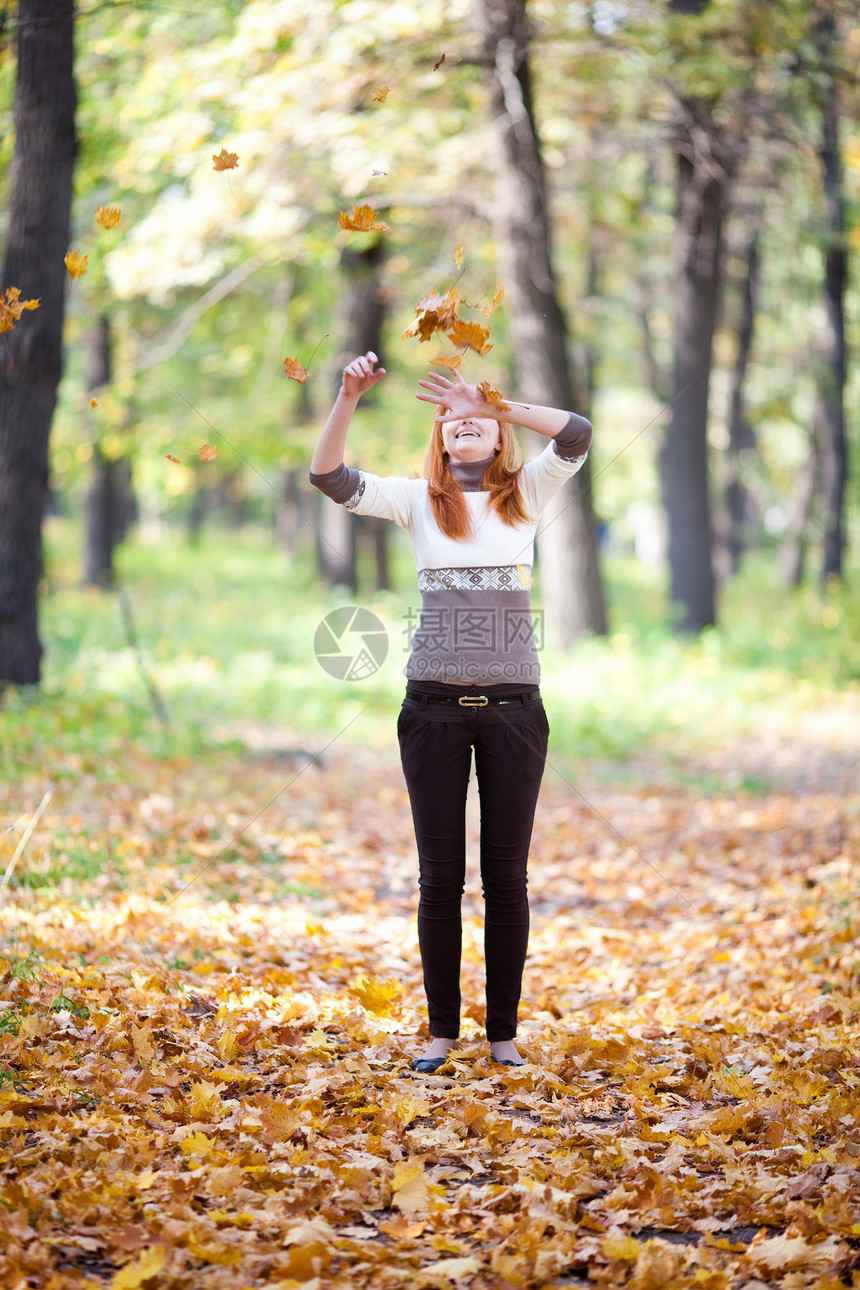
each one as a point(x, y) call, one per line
point(476, 700)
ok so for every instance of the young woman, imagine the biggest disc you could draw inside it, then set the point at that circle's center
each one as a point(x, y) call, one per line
point(473, 673)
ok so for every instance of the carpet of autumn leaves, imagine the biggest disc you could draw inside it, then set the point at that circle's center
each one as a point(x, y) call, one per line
point(205, 1046)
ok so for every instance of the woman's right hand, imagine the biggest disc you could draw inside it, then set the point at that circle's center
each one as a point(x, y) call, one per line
point(359, 376)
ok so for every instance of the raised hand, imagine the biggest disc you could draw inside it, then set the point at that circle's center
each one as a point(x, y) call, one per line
point(359, 376)
point(456, 399)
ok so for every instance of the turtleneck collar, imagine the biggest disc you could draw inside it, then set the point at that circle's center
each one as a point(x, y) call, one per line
point(469, 474)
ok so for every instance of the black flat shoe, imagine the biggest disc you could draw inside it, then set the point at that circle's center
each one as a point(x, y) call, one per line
point(505, 1062)
point(428, 1065)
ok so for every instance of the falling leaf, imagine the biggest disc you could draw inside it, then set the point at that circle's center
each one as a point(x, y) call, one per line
point(436, 66)
point(295, 371)
point(458, 255)
point(434, 313)
point(493, 396)
point(376, 996)
point(491, 308)
point(12, 306)
point(108, 216)
point(380, 93)
point(170, 457)
point(362, 220)
point(76, 264)
point(95, 403)
point(451, 361)
point(208, 452)
point(379, 172)
point(471, 334)
point(225, 160)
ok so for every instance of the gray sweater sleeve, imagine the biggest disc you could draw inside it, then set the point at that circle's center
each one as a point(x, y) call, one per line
point(575, 439)
point(340, 484)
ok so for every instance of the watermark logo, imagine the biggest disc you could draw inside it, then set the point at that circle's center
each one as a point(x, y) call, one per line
point(351, 643)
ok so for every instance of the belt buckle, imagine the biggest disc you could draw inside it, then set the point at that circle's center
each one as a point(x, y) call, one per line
point(473, 700)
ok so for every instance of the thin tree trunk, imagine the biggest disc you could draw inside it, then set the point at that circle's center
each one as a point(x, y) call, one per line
point(31, 358)
point(742, 439)
point(108, 500)
point(834, 448)
point(367, 304)
point(703, 168)
point(567, 542)
point(792, 555)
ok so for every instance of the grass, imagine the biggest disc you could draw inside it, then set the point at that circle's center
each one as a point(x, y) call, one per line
point(225, 636)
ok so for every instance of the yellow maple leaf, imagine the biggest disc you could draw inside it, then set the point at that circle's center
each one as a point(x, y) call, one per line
point(362, 220)
point(76, 264)
point(380, 93)
point(208, 452)
point(493, 396)
point(470, 334)
point(197, 1144)
point(108, 216)
point(12, 306)
point(143, 1048)
point(409, 1186)
point(94, 402)
point(376, 996)
point(225, 160)
point(228, 1046)
point(148, 1264)
point(458, 255)
point(295, 371)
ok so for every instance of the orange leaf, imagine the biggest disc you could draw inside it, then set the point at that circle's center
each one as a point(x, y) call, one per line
point(94, 403)
point(362, 220)
point(170, 457)
point(471, 334)
point(435, 313)
point(295, 371)
point(493, 396)
point(225, 160)
point(451, 361)
point(207, 452)
point(108, 216)
point(436, 66)
point(12, 306)
point(76, 264)
point(380, 93)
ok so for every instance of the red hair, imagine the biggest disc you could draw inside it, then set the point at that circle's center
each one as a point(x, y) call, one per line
point(501, 477)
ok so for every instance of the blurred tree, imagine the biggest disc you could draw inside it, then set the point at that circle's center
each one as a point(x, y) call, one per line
point(567, 543)
point(109, 500)
point(830, 409)
point(31, 359)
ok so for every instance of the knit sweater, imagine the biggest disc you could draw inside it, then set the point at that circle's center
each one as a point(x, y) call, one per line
point(476, 623)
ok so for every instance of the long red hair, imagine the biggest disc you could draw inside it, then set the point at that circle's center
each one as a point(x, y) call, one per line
point(501, 477)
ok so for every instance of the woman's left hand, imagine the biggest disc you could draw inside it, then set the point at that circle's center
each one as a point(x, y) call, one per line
point(457, 399)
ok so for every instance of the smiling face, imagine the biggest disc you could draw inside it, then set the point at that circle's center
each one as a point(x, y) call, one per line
point(472, 439)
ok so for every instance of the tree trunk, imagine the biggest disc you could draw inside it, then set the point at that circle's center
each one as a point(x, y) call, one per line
point(31, 358)
point(704, 165)
point(108, 498)
point(742, 439)
point(567, 542)
point(831, 393)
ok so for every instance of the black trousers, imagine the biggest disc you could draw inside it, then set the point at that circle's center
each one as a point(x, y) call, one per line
point(510, 743)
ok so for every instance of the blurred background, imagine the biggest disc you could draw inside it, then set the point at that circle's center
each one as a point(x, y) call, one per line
point(669, 194)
